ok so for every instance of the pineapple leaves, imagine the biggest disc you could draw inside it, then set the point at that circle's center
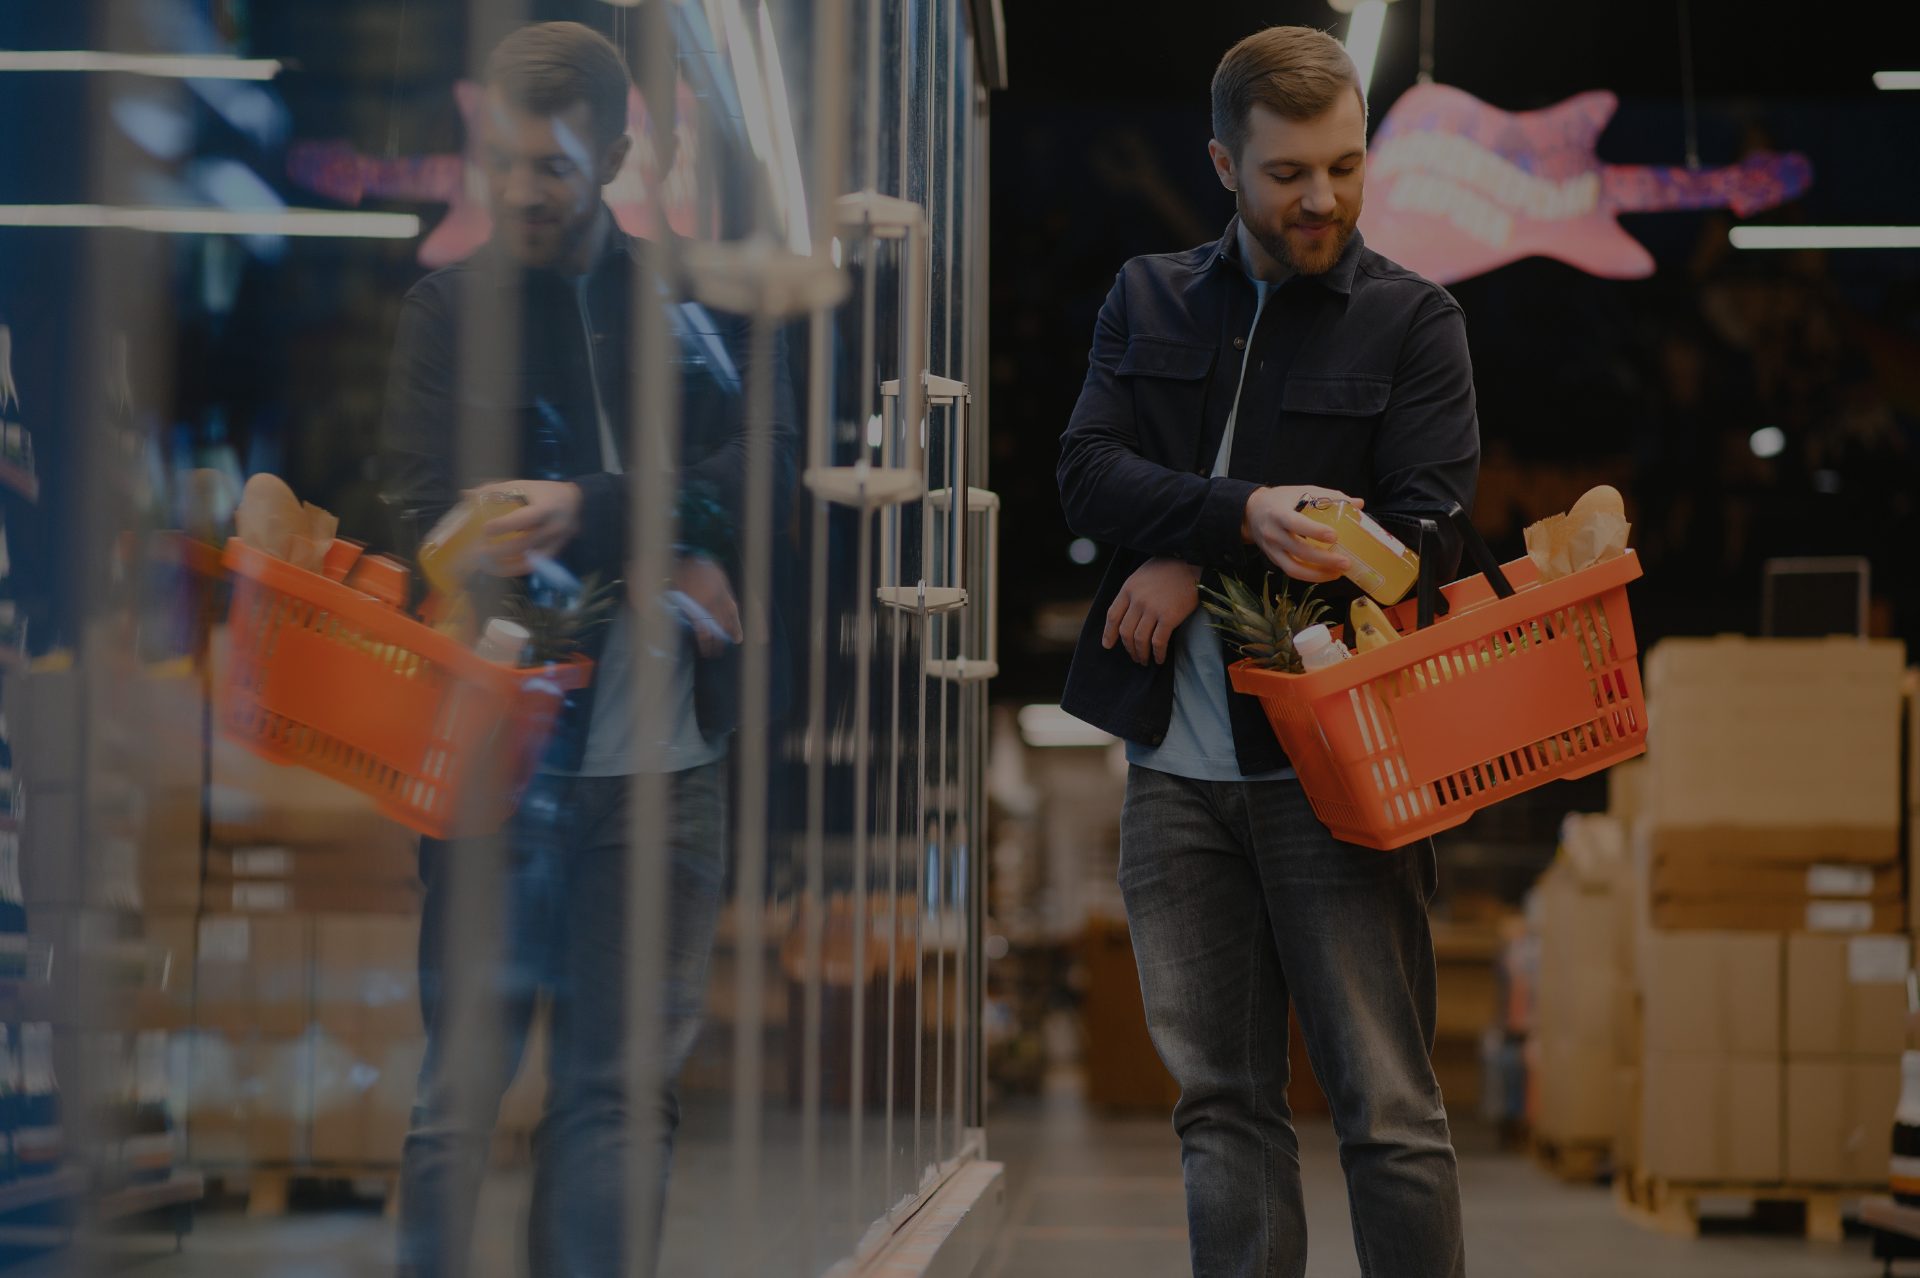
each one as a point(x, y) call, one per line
point(558, 633)
point(1260, 625)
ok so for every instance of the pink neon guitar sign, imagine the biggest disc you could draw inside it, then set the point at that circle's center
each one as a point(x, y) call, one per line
point(337, 171)
point(1456, 188)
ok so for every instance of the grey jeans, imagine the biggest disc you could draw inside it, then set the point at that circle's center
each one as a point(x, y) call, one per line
point(1239, 900)
point(554, 926)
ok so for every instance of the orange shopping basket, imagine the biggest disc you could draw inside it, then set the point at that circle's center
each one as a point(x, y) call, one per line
point(1521, 683)
point(325, 677)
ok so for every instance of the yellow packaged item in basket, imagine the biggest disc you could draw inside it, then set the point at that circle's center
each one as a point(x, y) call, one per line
point(1382, 566)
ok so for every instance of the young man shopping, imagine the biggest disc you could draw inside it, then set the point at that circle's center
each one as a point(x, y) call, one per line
point(1226, 382)
point(555, 408)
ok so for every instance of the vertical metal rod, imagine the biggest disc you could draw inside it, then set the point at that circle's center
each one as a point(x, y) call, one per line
point(820, 425)
point(656, 408)
point(920, 911)
point(898, 626)
point(830, 55)
point(751, 841)
point(863, 762)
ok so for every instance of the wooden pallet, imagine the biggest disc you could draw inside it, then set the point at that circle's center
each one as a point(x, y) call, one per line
point(1578, 1162)
point(1673, 1207)
point(270, 1188)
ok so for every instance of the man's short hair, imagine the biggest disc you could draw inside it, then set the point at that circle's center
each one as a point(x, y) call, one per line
point(547, 67)
point(1295, 72)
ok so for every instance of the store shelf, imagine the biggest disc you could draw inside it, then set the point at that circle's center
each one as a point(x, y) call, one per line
point(24, 482)
point(32, 1191)
point(182, 1187)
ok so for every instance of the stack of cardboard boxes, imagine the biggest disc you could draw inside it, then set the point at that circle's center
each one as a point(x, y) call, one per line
point(263, 918)
point(306, 1025)
point(1576, 988)
point(1765, 924)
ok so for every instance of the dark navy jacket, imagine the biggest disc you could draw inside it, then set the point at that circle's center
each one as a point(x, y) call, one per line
point(1358, 379)
point(526, 411)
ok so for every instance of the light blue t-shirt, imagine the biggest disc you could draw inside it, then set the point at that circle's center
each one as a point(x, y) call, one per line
point(661, 737)
point(1199, 740)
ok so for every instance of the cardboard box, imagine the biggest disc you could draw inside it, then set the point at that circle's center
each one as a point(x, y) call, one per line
point(1711, 1118)
point(1578, 982)
point(1123, 1069)
point(164, 999)
point(1839, 1120)
point(1846, 996)
point(45, 709)
point(363, 1100)
point(340, 867)
point(254, 975)
point(1775, 733)
point(1467, 999)
point(366, 977)
point(54, 866)
point(279, 1099)
point(1711, 993)
point(1626, 791)
point(285, 896)
point(252, 802)
point(1627, 1102)
point(1799, 845)
point(1681, 878)
point(1740, 915)
point(1574, 1090)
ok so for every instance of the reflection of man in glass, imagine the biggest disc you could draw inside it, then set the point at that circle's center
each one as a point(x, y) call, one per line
point(557, 405)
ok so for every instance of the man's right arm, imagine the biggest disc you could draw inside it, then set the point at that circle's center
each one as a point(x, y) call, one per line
point(416, 430)
point(1113, 494)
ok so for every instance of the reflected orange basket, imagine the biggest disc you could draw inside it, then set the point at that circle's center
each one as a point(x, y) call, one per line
point(325, 677)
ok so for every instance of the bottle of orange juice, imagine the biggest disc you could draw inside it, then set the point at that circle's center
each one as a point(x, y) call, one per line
point(447, 553)
point(1382, 566)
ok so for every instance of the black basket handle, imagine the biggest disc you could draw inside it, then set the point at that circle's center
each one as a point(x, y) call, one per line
point(1431, 604)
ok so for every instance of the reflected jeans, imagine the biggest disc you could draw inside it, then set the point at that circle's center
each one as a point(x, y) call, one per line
point(1239, 900)
point(562, 902)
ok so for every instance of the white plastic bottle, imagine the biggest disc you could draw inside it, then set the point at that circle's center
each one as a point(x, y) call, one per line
point(504, 642)
point(1318, 648)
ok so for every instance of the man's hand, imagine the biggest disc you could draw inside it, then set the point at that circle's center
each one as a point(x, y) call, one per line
point(1159, 595)
point(1302, 548)
point(549, 520)
point(705, 583)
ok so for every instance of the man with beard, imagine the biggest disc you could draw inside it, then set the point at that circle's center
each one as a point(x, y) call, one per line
point(557, 409)
point(1224, 384)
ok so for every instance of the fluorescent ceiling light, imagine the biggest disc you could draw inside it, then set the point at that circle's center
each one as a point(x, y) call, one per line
point(1363, 37)
point(322, 223)
point(1896, 79)
point(166, 66)
point(1825, 237)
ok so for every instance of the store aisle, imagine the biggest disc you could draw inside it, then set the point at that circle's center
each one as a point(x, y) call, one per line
point(1099, 1197)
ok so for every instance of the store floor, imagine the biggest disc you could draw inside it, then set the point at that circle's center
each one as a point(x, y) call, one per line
point(1099, 1197)
point(1089, 1196)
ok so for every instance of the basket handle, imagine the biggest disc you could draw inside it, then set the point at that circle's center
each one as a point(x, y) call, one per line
point(1431, 604)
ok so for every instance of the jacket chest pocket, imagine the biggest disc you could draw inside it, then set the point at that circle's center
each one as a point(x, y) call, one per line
point(1169, 383)
point(1345, 401)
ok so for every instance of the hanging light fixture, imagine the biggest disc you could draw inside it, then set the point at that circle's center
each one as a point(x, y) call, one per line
point(1367, 19)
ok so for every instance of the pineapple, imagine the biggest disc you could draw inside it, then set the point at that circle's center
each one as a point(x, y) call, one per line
point(556, 633)
point(1261, 625)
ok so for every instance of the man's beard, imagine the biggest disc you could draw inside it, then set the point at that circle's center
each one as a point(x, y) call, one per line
point(1314, 261)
